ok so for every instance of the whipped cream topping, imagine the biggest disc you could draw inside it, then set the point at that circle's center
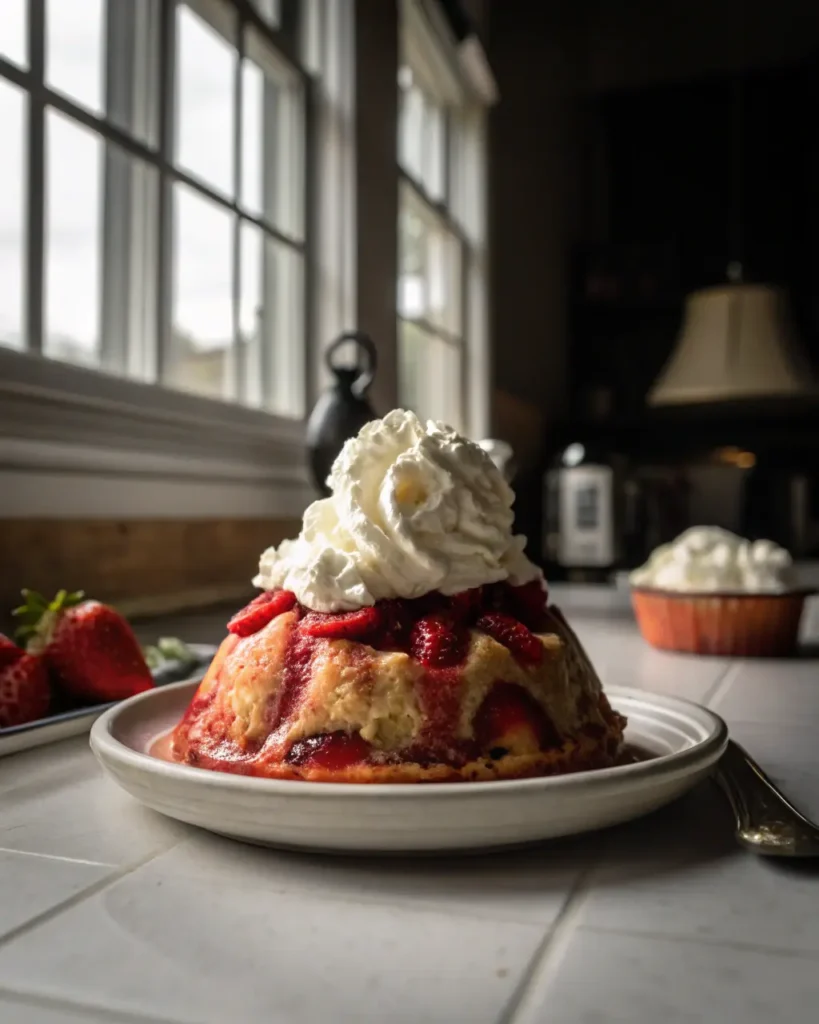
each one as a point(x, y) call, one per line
point(414, 507)
point(707, 558)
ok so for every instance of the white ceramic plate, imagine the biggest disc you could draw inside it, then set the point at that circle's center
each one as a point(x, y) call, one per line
point(687, 739)
point(78, 721)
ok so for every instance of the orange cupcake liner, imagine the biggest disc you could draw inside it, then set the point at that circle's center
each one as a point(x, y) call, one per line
point(726, 625)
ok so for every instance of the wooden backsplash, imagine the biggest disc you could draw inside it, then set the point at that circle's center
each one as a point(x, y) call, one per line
point(143, 566)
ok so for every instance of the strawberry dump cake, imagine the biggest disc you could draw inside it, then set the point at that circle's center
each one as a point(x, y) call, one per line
point(402, 637)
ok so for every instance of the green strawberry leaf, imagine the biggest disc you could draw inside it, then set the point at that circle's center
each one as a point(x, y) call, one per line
point(38, 616)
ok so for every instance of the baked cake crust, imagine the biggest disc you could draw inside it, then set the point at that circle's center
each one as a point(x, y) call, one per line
point(284, 704)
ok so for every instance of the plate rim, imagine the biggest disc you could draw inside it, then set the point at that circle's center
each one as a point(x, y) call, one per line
point(706, 752)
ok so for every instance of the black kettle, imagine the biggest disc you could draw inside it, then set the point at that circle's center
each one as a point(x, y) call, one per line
point(343, 410)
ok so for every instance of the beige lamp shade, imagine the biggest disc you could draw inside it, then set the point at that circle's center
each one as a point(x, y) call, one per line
point(736, 342)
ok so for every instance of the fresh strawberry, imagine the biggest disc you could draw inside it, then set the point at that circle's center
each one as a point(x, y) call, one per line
point(88, 646)
point(342, 625)
point(24, 689)
point(512, 634)
point(260, 611)
point(9, 651)
point(334, 751)
point(437, 641)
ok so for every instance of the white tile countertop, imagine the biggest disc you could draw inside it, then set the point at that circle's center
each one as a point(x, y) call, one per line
point(111, 913)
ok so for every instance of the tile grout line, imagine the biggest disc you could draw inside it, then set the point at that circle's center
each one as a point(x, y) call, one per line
point(56, 856)
point(79, 897)
point(551, 946)
point(557, 937)
point(104, 1014)
point(722, 685)
point(810, 956)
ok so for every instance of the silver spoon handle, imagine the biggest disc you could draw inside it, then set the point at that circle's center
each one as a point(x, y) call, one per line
point(765, 818)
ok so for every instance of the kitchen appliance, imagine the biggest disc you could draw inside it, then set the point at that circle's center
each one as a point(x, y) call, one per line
point(582, 530)
point(604, 512)
point(582, 511)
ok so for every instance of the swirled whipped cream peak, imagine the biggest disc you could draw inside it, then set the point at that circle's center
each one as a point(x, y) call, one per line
point(710, 559)
point(415, 507)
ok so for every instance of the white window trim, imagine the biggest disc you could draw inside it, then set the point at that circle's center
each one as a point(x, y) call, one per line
point(81, 443)
point(457, 73)
point(460, 63)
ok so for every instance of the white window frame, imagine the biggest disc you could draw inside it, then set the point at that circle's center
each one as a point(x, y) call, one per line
point(444, 69)
point(77, 442)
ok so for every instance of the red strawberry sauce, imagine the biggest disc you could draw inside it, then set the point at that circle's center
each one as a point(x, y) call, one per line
point(434, 629)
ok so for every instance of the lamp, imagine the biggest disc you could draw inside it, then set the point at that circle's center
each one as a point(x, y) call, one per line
point(736, 342)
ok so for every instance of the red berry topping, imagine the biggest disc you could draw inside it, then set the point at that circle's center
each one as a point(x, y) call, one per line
point(437, 641)
point(334, 751)
point(260, 611)
point(512, 634)
point(396, 623)
point(342, 625)
point(497, 597)
point(466, 606)
point(530, 605)
point(507, 711)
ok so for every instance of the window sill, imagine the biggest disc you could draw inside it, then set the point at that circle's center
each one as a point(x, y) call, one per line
point(76, 442)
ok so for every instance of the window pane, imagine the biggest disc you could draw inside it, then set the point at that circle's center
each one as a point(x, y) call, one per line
point(422, 138)
point(205, 101)
point(201, 356)
point(12, 214)
point(72, 238)
point(272, 139)
point(13, 30)
point(130, 251)
point(413, 300)
point(284, 323)
point(444, 277)
point(430, 285)
point(133, 87)
point(74, 50)
point(429, 375)
point(434, 151)
point(411, 144)
point(253, 103)
point(253, 352)
point(271, 323)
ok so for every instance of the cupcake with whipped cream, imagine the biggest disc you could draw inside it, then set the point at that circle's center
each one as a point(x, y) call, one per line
point(712, 592)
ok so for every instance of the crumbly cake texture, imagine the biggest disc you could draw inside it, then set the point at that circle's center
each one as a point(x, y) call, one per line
point(284, 703)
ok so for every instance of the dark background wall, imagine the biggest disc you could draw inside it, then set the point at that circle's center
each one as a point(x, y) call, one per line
point(535, 143)
point(615, 141)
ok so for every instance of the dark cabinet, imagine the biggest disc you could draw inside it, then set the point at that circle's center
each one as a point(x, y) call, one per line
point(709, 170)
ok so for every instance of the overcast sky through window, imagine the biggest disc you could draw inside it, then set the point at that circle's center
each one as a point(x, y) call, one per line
point(75, 174)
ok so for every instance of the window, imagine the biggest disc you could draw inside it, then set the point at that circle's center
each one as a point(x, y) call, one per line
point(442, 259)
point(152, 207)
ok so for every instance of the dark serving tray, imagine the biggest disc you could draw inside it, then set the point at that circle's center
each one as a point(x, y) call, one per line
point(78, 721)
